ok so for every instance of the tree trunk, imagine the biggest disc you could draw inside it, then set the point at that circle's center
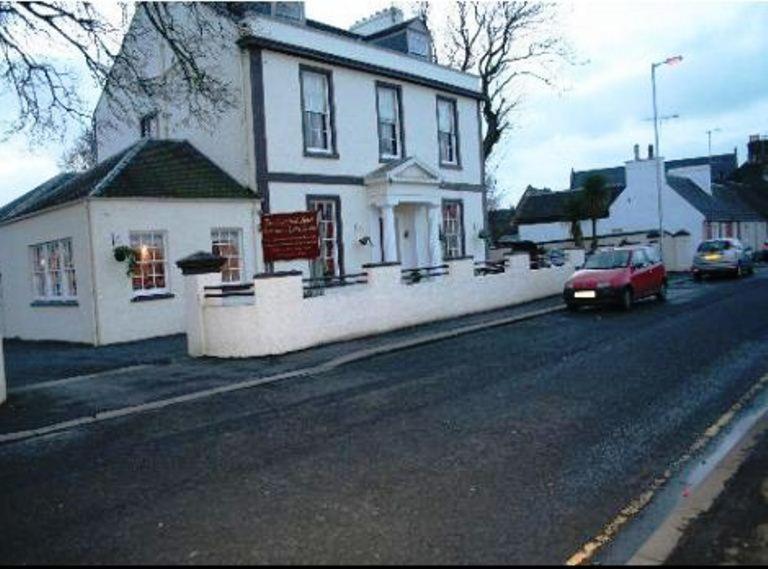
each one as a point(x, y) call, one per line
point(594, 233)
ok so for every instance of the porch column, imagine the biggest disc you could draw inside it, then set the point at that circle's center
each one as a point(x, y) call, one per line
point(435, 247)
point(390, 233)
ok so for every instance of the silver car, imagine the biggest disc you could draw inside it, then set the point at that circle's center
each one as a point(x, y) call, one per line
point(725, 255)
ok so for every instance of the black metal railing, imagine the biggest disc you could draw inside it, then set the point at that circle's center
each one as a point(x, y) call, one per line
point(418, 274)
point(229, 290)
point(316, 286)
point(483, 268)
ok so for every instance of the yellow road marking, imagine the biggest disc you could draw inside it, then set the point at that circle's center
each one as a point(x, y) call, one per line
point(609, 532)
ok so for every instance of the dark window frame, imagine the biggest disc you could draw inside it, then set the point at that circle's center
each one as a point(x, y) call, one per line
point(455, 104)
point(460, 202)
point(145, 125)
point(332, 152)
point(401, 135)
point(339, 224)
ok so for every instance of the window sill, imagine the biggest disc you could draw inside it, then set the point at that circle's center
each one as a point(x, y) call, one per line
point(320, 154)
point(147, 297)
point(449, 166)
point(55, 303)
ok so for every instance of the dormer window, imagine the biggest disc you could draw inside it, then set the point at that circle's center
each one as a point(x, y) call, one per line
point(418, 44)
point(148, 125)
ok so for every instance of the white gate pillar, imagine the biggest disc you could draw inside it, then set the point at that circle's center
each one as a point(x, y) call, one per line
point(200, 270)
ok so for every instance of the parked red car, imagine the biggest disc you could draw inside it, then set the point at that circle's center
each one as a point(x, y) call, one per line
point(618, 275)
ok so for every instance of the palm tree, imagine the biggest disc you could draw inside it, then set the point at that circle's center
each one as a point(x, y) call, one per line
point(574, 213)
point(594, 199)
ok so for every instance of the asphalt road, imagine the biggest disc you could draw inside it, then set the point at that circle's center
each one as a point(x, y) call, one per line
point(512, 445)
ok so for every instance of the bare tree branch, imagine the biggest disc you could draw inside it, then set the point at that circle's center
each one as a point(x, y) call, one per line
point(37, 37)
point(506, 44)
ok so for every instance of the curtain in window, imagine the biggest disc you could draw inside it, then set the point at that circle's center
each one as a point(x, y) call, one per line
point(315, 87)
point(388, 122)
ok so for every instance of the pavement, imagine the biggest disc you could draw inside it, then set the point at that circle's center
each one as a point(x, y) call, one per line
point(734, 531)
point(514, 444)
point(57, 382)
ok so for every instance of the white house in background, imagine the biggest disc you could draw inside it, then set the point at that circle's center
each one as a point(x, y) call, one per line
point(357, 124)
point(696, 199)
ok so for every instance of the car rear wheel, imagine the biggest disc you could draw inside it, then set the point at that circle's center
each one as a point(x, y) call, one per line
point(662, 294)
point(572, 306)
point(626, 299)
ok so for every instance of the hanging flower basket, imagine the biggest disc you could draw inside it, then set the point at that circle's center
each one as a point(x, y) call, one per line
point(128, 255)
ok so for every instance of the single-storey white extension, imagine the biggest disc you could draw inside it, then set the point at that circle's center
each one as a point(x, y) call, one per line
point(359, 125)
point(698, 200)
point(58, 243)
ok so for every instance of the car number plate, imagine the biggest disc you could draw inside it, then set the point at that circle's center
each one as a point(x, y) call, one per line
point(584, 294)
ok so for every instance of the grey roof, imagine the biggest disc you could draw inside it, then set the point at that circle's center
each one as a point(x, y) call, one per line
point(723, 165)
point(149, 168)
point(545, 206)
point(723, 205)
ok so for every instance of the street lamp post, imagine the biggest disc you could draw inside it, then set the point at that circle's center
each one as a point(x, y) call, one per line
point(668, 61)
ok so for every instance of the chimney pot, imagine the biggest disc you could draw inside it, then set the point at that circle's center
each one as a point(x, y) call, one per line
point(650, 152)
point(637, 152)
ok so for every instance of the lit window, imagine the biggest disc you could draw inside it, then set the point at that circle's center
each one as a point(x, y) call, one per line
point(226, 243)
point(150, 274)
point(388, 101)
point(317, 111)
point(447, 131)
point(453, 229)
point(53, 270)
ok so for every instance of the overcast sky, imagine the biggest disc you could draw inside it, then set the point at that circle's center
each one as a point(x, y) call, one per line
point(599, 109)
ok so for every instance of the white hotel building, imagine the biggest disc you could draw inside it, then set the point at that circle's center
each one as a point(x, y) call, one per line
point(359, 124)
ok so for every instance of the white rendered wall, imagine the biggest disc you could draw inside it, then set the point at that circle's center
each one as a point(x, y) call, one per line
point(187, 226)
point(356, 123)
point(636, 208)
point(21, 319)
point(296, 34)
point(225, 138)
point(360, 219)
point(280, 320)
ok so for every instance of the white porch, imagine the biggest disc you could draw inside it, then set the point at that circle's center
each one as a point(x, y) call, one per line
point(406, 206)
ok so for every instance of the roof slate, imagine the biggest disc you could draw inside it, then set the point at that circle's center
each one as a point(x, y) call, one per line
point(544, 206)
point(723, 165)
point(149, 168)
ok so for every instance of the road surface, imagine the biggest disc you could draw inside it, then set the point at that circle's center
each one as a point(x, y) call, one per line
point(511, 445)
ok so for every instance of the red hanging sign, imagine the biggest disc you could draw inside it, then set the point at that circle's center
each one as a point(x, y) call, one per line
point(290, 236)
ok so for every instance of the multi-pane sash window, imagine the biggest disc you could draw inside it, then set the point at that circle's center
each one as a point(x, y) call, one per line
point(389, 121)
point(327, 265)
point(150, 276)
point(226, 243)
point(446, 131)
point(453, 230)
point(317, 111)
point(53, 270)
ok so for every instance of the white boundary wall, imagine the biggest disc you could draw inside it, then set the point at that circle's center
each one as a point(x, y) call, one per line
point(279, 319)
point(3, 389)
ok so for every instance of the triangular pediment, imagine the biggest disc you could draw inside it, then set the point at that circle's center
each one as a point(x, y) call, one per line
point(407, 171)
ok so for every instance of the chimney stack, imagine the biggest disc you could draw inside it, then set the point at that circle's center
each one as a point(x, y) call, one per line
point(637, 152)
point(650, 152)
